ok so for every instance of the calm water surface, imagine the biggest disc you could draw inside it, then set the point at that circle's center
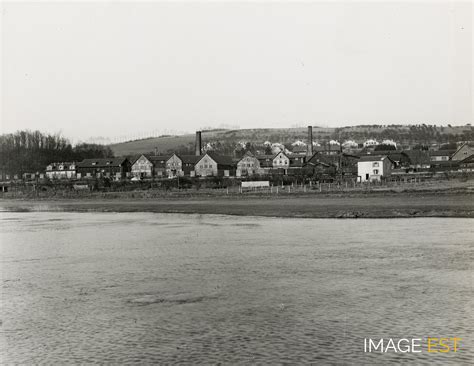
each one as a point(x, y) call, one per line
point(166, 288)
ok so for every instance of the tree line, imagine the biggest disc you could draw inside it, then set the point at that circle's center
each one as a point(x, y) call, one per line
point(31, 151)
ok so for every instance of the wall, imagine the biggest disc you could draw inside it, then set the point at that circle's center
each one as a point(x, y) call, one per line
point(174, 166)
point(142, 168)
point(206, 167)
point(374, 172)
point(281, 161)
point(248, 165)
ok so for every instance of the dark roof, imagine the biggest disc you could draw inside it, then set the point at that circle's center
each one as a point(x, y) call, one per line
point(189, 159)
point(373, 157)
point(133, 159)
point(281, 152)
point(159, 161)
point(385, 152)
point(265, 157)
point(395, 155)
point(442, 152)
point(417, 156)
point(319, 157)
point(299, 149)
point(158, 158)
point(221, 159)
point(100, 163)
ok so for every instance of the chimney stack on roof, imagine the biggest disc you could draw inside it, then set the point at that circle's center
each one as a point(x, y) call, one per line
point(309, 146)
point(198, 146)
point(156, 151)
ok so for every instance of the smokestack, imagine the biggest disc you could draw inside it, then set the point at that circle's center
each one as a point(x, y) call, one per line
point(198, 143)
point(156, 151)
point(309, 147)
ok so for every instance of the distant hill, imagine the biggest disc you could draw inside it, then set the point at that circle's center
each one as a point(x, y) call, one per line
point(226, 141)
point(224, 138)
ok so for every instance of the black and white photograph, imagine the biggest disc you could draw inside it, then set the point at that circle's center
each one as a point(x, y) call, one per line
point(236, 182)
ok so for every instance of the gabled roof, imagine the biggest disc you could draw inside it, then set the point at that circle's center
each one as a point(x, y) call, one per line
point(280, 152)
point(248, 154)
point(221, 159)
point(101, 163)
point(374, 158)
point(463, 145)
point(156, 160)
point(394, 155)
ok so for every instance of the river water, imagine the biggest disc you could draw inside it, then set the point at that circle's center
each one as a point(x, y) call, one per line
point(192, 289)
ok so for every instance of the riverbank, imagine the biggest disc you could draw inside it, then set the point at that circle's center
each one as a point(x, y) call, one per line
point(386, 205)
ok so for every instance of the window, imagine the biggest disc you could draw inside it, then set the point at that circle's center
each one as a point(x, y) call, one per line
point(376, 171)
point(376, 164)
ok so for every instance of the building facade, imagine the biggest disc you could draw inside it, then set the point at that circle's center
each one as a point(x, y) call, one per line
point(142, 167)
point(214, 165)
point(115, 168)
point(174, 166)
point(65, 170)
point(248, 165)
point(373, 168)
point(281, 161)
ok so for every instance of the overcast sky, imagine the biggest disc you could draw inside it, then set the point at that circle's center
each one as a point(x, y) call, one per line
point(119, 69)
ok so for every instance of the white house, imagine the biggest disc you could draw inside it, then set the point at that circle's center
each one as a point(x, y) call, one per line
point(374, 167)
point(371, 143)
point(281, 160)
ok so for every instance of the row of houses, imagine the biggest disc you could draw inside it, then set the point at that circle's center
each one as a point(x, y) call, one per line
point(368, 165)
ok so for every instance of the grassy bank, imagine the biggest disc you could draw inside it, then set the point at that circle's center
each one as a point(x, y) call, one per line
point(348, 205)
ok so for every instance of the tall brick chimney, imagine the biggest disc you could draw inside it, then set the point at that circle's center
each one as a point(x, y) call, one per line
point(309, 146)
point(198, 145)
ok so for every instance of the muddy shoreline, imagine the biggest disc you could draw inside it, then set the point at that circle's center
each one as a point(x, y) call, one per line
point(304, 206)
